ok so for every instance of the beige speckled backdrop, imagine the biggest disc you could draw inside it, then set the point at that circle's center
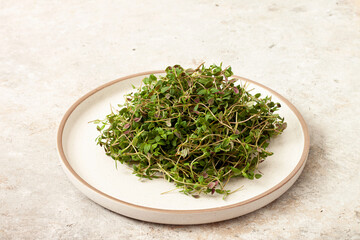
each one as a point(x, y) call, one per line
point(53, 52)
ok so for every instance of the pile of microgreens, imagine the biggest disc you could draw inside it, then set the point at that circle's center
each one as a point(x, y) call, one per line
point(194, 128)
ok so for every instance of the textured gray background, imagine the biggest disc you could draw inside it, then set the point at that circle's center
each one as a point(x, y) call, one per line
point(53, 52)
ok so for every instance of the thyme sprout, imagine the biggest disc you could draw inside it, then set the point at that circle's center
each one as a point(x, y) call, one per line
point(194, 128)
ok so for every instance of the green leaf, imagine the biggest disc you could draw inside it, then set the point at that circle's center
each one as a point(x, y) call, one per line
point(202, 92)
point(214, 90)
point(152, 77)
point(147, 148)
point(184, 152)
point(236, 171)
point(146, 80)
point(226, 142)
point(250, 104)
point(164, 89)
point(271, 104)
point(201, 179)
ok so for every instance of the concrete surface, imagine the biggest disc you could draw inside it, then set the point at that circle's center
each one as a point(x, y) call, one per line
point(53, 52)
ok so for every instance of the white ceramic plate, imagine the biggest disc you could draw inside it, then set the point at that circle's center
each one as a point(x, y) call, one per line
point(94, 173)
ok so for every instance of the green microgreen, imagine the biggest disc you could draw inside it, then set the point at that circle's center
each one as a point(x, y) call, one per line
point(194, 128)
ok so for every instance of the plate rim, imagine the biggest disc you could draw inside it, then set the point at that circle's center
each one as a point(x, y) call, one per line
point(66, 163)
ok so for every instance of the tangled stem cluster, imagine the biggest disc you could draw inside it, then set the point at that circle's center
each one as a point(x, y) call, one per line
point(194, 128)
